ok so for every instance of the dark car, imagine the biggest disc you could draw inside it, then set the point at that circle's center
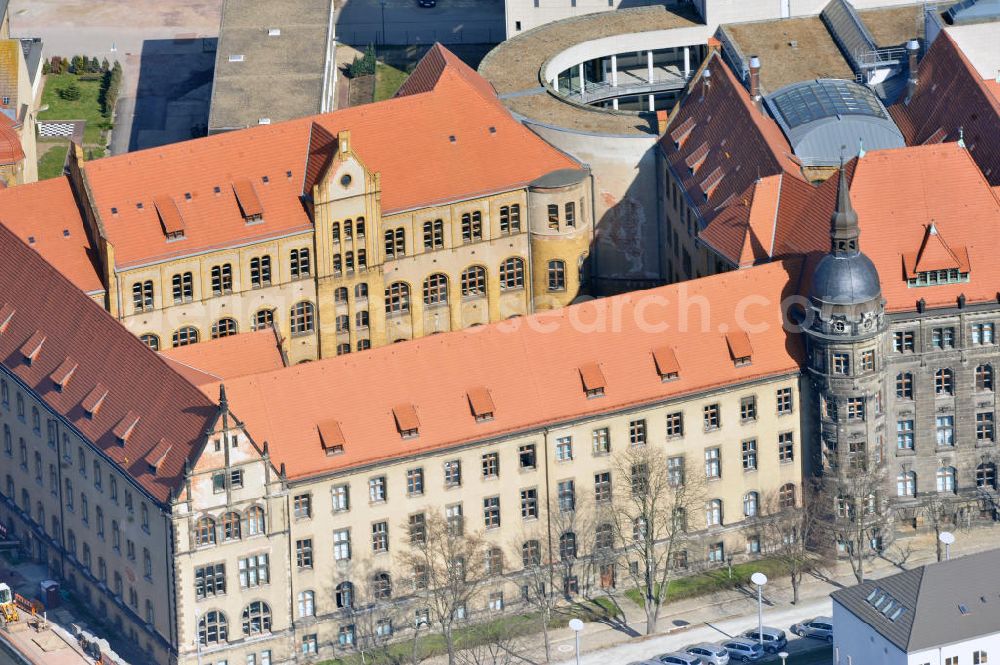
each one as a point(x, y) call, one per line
point(427, 3)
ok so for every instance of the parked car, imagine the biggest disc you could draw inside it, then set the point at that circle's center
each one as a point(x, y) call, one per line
point(710, 654)
point(677, 658)
point(820, 628)
point(427, 3)
point(743, 649)
point(774, 638)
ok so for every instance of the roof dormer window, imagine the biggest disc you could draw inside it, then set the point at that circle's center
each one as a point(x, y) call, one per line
point(666, 363)
point(739, 348)
point(331, 437)
point(407, 422)
point(481, 403)
point(593, 379)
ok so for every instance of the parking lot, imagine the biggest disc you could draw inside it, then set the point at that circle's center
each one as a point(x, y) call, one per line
point(360, 22)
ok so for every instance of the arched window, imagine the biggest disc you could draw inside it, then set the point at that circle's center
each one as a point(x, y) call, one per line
point(213, 628)
point(183, 287)
point(472, 226)
point(256, 618)
point(511, 274)
point(474, 282)
point(263, 318)
point(142, 296)
point(751, 500)
point(204, 531)
point(944, 382)
point(71, 542)
point(335, 231)
point(362, 259)
point(340, 294)
point(222, 279)
point(906, 483)
point(986, 475)
point(397, 298)
point(510, 219)
point(557, 275)
point(436, 290)
point(260, 271)
point(434, 234)
point(786, 496)
point(713, 512)
point(395, 243)
point(342, 323)
point(185, 336)
point(531, 553)
point(299, 263)
point(984, 377)
point(36, 421)
point(348, 229)
point(223, 328)
point(302, 318)
point(359, 227)
point(381, 586)
point(567, 546)
point(231, 526)
point(946, 479)
point(253, 521)
point(307, 604)
point(150, 340)
point(361, 319)
point(338, 264)
point(364, 344)
point(604, 537)
point(349, 261)
point(361, 290)
point(344, 595)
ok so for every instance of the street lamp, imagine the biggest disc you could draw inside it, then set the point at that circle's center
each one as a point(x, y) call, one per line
point(947, 537)
point(577, 627)
point(783, 655)
point(383, 22)
point(760, 579)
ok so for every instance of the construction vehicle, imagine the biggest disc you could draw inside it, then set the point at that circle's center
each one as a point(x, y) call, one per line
point(8, 609)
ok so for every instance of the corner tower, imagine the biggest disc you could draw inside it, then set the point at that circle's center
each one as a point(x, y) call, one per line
point(845, 331)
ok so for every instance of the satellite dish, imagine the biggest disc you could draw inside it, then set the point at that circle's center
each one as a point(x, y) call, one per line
point(760, 579)
point(575, 625)
point(947, 537)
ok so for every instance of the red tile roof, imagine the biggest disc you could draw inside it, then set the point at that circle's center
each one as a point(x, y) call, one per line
point(11, 151)
point(227, 357)
point(47, 212)
point(530, 366)
point(951, 94)
point(407, 139)
point(115, 371)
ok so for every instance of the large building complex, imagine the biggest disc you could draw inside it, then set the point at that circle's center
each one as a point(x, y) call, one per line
point(347, 230)
point(20, 76)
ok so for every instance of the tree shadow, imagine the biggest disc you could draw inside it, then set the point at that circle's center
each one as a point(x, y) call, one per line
point(591, 611)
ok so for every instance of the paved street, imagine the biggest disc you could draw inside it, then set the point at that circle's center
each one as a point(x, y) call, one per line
point(359, 22)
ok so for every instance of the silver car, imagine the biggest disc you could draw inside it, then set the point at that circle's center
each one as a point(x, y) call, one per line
point(677, 658)
point(710, 654)
point(820, 628)
point(774, 638)
point(742, 649)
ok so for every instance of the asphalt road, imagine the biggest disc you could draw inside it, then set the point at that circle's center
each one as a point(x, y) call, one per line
point(803, 651)
point(359, 22)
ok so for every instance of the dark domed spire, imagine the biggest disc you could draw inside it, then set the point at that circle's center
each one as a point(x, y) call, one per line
point(844, 229)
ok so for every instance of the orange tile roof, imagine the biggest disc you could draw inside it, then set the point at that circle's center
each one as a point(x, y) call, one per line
point(47, 212)
point(530, 366)
point(951, 94)
point(11, 151)
point(134, 396)
point(227, 357)
point(408, 139)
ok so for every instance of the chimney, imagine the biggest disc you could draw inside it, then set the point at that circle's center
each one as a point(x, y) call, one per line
point(912, 50)
point(755, 78)
point(706, 82)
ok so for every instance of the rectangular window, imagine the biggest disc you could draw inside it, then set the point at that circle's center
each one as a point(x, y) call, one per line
point(784, 399)
point(855, 409)
point(713, 467)
point(455, 517)
point(750, 455)
point(945, 431)
point(675, 424)
point(748, 409)
point(841, 363)
point(567, 495)
point(711, 413)
point(453, 473)
point(602, 487)
point(491, 512)
point(342, 545)
point(904, 435)
point(302, 506)
point(903, 341)
point(637, 432)
point(418, 528)
point(380, 537)
point(943, 338)
point(415, 481)
point(529, 503)
point(341, 498)
point(376, 489)
point(786, 447)
point(491, 465)
point(564, 448)
point(982, 333)
point(867, 361)
point(904, 385)
point(675, 471)
point(309, 643)
point(602, 441)
point(210, 580)
point(304, 553)
point(984, 427)
point(254, 571)
point(526, 456)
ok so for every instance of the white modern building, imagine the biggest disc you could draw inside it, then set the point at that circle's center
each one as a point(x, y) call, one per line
point(946, 613)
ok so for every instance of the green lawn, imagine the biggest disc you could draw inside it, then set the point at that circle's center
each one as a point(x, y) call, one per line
point(50, 164)
point(86, 107)
point(387, 81)
point(714, 580)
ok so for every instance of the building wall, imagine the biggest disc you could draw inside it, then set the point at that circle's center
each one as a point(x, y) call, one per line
point(963, 651)
point(67, 503)
point(856, 643)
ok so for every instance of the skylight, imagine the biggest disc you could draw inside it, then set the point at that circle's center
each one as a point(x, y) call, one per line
point(886, 605)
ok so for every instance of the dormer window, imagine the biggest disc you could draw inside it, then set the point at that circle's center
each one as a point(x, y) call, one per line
point(331, 437)
point(936, 277)
point(247, 199)
point(33, 347)
point(481, 404)
point(936, 262)
point(666, 363)
point(123, 430)
point(593, 379)
point(93, 401)
point(6, 315)
point(739, 348)
point(407, 422)
point(62, 375)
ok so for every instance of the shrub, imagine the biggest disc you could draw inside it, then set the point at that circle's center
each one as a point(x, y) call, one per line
point(364, 64)
point(70, 92)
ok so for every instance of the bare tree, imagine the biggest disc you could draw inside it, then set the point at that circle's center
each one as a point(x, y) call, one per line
point(940, 513)
point(447, 568)
point(649, 521)
point(854, 507)
point(789, 526)
point(495, 643)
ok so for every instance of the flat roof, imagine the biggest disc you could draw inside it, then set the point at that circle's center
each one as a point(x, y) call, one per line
point(514, 66)
point(263, 75)
point(894, 26)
